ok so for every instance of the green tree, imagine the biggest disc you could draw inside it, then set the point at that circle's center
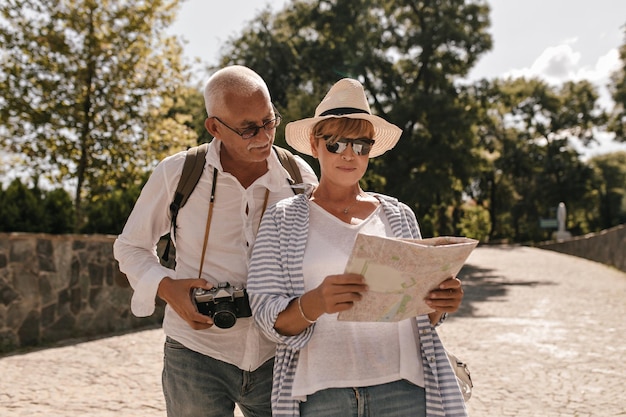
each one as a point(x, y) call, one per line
point(526, 128)
point(190, 110)
point(408, 55)
point(108, 213)
point(30, 209)
point(610, 188)
point(21, 209)
point(618, 91)
point(474, 222)
point(59, 212)
point(87, 86)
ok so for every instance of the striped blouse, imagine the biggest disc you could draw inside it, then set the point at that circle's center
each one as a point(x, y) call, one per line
point(275, 278)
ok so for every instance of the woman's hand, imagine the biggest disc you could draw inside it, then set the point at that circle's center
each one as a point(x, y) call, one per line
point(336, 293)
point(445, 299)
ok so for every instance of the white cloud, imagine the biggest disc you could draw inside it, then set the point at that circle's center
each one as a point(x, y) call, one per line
point(558, 62)
point(602, 70)
point(561, 63)
point(555, 64)
point(605, 144)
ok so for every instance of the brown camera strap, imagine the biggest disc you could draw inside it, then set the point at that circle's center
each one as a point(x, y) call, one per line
point(210, 215)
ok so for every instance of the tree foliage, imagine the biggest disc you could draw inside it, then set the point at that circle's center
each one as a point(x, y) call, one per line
point(408, 55)
point(25, 208)
point(107, 214)
point(526, 128)
point(87, 86)
point(610, 189)
point(101, 98)
point(30, 209)
point(618, 91)
point(507, 144)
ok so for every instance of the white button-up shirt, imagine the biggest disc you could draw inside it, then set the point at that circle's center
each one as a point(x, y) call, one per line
point(236, 217)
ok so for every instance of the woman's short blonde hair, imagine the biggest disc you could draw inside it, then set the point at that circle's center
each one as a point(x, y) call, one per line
point(343, 127)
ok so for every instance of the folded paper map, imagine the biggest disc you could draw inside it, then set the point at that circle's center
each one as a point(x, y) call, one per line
point(401, 272)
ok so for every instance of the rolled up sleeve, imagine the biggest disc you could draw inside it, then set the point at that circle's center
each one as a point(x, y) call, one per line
point(135, 248)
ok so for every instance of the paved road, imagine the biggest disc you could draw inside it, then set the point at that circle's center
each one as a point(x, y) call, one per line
point(543, 333)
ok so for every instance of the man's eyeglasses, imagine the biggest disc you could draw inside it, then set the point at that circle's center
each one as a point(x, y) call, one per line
point(360, 146)
point(251, 132)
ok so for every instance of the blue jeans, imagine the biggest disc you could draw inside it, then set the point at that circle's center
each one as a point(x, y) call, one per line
point(394, 399)
point(197, 385)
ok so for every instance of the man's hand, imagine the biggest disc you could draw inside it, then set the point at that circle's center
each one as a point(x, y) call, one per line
point(177, 294)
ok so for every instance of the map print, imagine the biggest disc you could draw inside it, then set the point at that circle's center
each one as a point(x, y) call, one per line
point(401, 272)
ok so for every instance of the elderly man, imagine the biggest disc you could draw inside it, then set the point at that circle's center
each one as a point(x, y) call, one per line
point(208, 369)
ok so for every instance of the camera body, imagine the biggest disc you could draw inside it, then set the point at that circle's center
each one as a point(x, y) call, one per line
point(224, 303)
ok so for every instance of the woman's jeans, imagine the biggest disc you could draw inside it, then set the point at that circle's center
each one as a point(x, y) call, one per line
point(196, 385)
point(395, 399)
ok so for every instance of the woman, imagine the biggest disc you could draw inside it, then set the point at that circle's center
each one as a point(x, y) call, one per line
point(325, 367)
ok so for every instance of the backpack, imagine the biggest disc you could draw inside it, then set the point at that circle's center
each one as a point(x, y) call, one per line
point(192, 171)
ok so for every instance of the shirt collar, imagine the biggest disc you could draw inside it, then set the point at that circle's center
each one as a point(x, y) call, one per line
point(275, 179)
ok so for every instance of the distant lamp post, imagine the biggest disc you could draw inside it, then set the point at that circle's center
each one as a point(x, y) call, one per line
point(561, 218)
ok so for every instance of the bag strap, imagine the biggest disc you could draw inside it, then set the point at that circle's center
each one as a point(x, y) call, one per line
point(288, 161)
point(192, 171)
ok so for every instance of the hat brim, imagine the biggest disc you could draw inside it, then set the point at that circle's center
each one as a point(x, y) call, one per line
point(386, 135)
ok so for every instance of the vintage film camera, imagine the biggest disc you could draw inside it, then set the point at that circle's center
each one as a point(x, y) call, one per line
point(224, 303)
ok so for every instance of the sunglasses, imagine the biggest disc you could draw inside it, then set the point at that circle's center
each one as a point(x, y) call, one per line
point(360, 146)
point(251, 132)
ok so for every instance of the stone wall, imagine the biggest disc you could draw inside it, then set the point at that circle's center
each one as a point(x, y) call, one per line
point(59, 287)
point(607, 247)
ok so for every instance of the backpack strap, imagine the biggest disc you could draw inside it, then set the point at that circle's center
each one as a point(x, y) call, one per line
point(192, 171)
point(288, 161)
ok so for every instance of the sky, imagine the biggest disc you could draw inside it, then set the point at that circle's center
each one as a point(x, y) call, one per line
point(557, 40)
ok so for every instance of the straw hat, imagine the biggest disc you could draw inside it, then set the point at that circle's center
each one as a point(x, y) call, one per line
point(345, 99)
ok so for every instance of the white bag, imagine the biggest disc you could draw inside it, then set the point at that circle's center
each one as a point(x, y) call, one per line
point(462, 375)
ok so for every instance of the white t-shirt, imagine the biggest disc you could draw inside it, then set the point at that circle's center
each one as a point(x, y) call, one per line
point(350, 354)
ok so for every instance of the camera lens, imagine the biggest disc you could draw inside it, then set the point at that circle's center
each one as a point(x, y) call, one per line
point(224, 316)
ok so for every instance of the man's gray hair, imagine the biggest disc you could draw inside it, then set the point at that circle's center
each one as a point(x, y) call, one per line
point(235, 79)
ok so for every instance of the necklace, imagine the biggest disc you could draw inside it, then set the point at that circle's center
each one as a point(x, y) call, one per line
point(347, 209)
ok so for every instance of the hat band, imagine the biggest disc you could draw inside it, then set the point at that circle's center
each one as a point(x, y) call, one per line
point(340, 111)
